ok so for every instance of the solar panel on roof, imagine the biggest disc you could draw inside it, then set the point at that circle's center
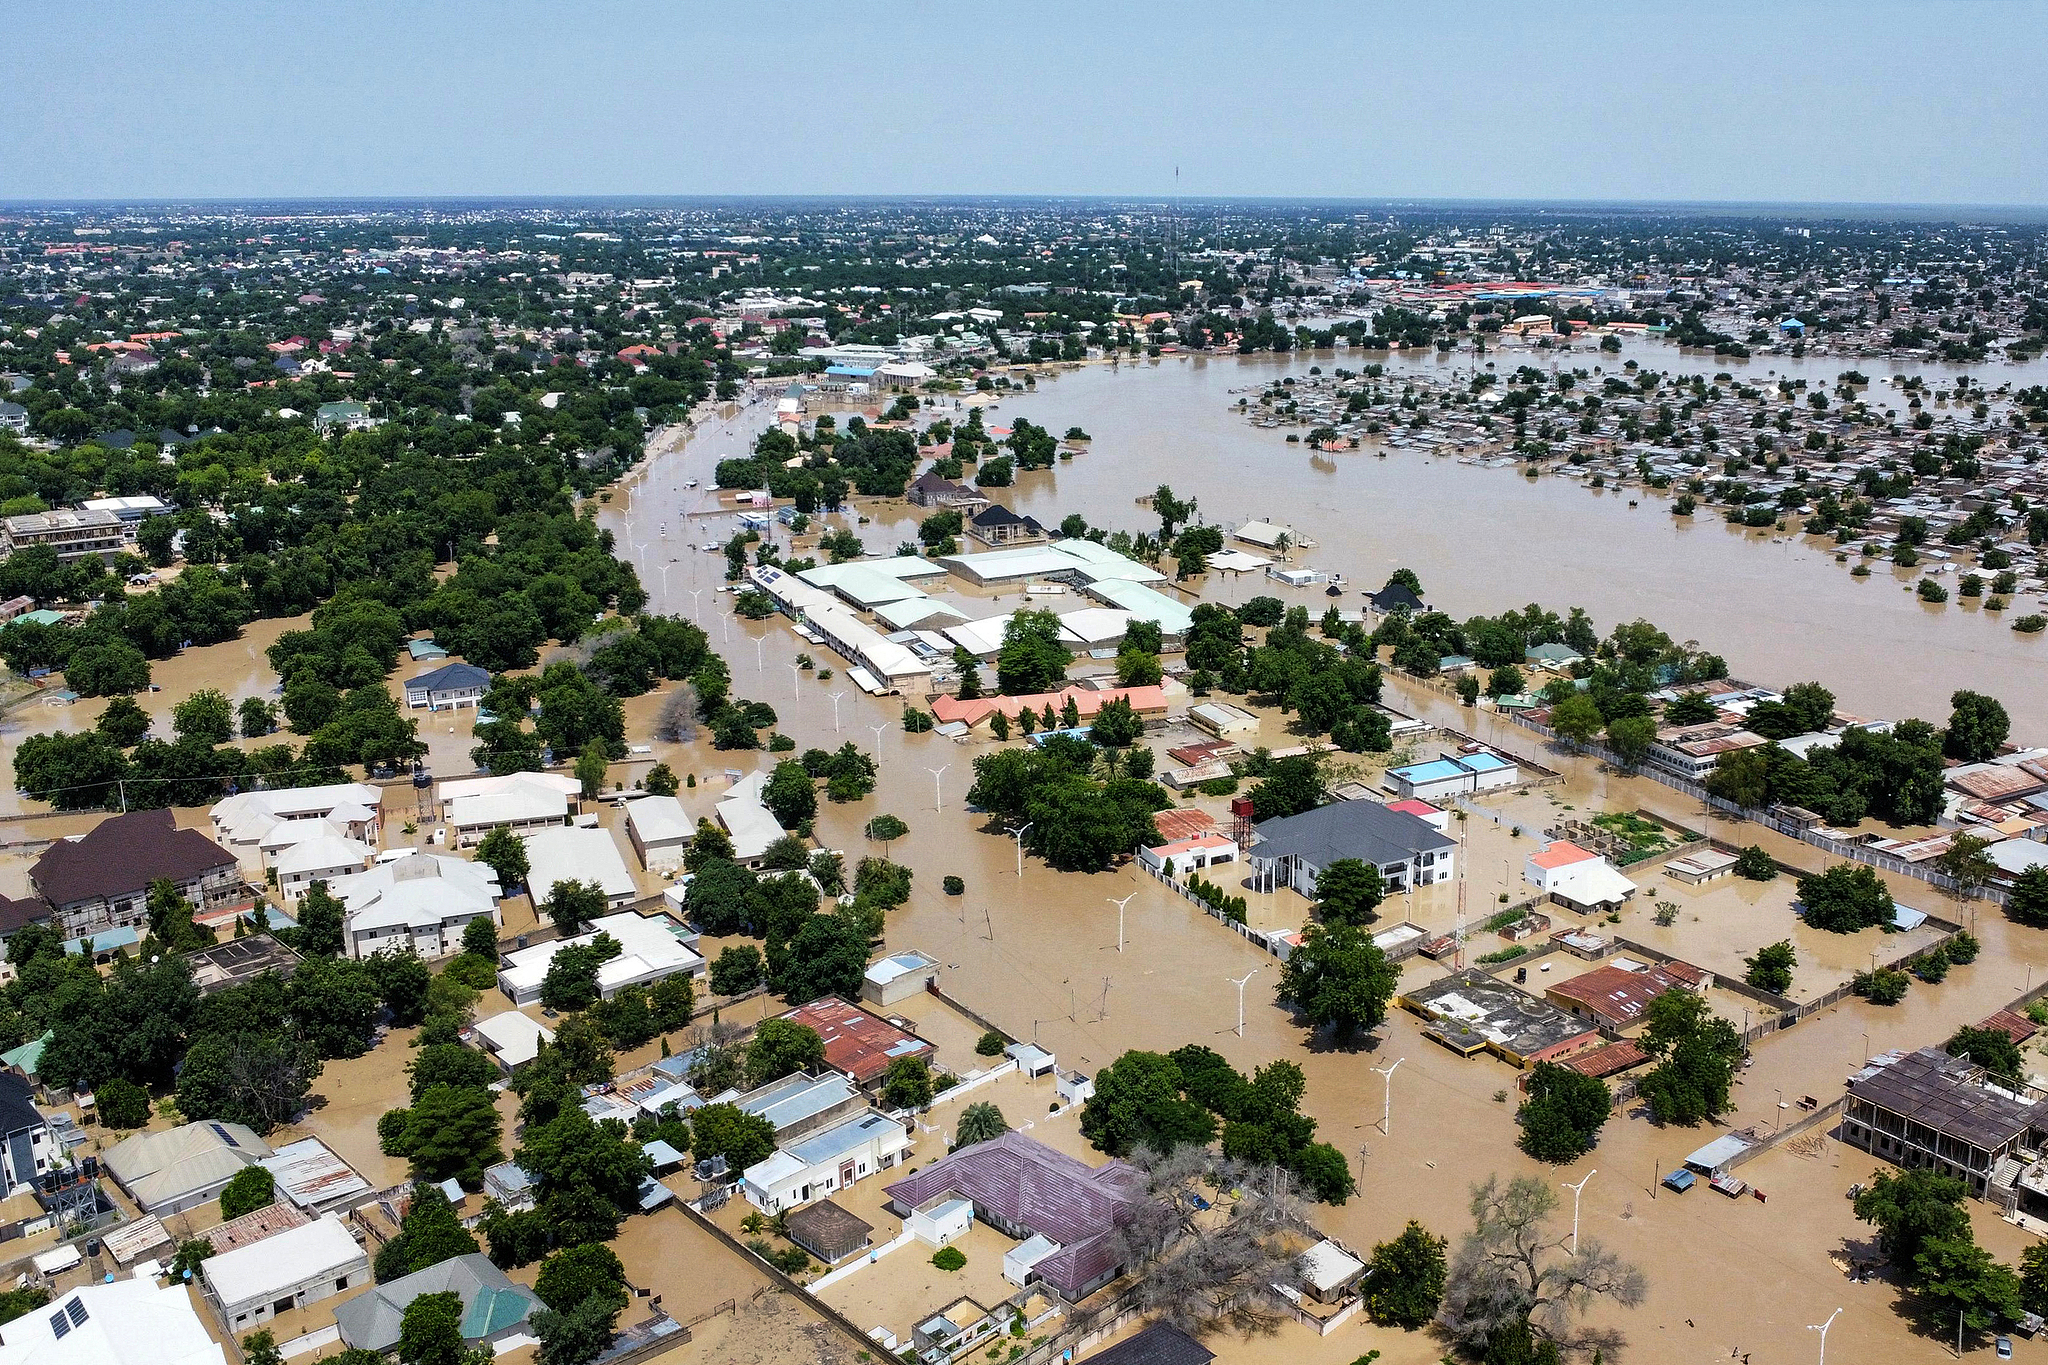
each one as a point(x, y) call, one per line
point(60, 1326)
point(76, 1308)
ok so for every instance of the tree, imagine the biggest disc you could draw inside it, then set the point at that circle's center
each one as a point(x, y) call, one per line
point(170, 919)
point(505, 854)
point(1510, 1280)
point(1911, 1208)
point(1696, 1055)
point(736, 970)
point(979, 1122)
point(790, 794)
point(430, 1234)
point(1991, 1048)
point(1771, 968)
point(576, 1274)
point(1348, 891)
point(430, 1332)
point(480, 938)
point(1576, 719)
point(886, 830)
point(575, 905)
point(907, 1084)
point(828, 956)
point(1845, 898)
point(1505, 681)
point(257, 717)
point(727, 1130)
point(1755, 864)
point(249, 1078)
point(1956, 1281)
point(1742, 778)
point(123, 722)
point(122, 1103)
point(1138, 1104)
point(1977, 725)
point(1032, 658)
point(402, 984)
point(1338, 978)
point(260, 1348)
point(205, 717)
point(1561, 1119)
point(2028, 902)
point(1631, 737)
point(1290, 786)
point(781, 1048)
point(1966, 865)
point(661, 781)
point(1404, 1281)
point(320, 922)
point(1136, 668)
point(587, 1174)
point(449, 1064)
point(450, 1132)
point(252, 1188)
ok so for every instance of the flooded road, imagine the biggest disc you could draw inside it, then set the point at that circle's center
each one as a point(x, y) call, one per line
point(1037, 951)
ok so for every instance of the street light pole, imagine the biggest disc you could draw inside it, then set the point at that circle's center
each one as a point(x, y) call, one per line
point(1238, 981)
point(1019, 836)
point(1119, 904)
point(878, 739)
point(1576, 1191)
point(1822, 1328)
point(1387, 1116)
point(794, 674)
point(835, 711)
point(938, 793)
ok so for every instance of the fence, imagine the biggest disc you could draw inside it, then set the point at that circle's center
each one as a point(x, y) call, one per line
point(1256, 937)
point(1806, 834)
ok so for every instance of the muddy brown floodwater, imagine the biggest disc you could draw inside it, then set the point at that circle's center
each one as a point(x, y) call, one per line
point(1038, 954)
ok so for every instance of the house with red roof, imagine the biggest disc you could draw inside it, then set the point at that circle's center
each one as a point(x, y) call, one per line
point(1148, 701)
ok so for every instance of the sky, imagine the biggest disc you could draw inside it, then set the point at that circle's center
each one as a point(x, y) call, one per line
point(1930, 102)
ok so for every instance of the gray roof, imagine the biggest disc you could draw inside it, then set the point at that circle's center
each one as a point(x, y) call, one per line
point(159, 1168)
point(491, 1303)
point(1930, 1087)
point(1365, 830)
point(1160, 1344)
point(449, 678)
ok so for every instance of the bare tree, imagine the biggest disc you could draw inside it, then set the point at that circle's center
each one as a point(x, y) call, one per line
point(1512, 1274)
point(1205, 1258)
point(677, 722)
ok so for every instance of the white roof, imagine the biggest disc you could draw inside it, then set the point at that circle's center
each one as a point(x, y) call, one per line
point(914, 611)
point(264, 1269)
point(1236, 561)
point(128, 1322)
point(1263, 533)
point(1092, 625)
point(324, 853)
point(421, 891)
point(1327, 1265)
point(648, 952)
point(1146, 604)
point(516, 805)
point(863, 644)
point(1591, 881)
point(514, 1038)
point(979, 637)
point(483, 786)
point(249, 815)
point(897, 567)
point(565, 854)
point(750, 823)
point(889, 968)
point(310, 1173)
point(660, 820)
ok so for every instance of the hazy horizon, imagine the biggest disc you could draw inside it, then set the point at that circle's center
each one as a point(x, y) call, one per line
point(1883, 105)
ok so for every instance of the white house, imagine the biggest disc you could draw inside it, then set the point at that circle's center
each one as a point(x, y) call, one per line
point(828, 1161)
point(1452, 775)
point(254, 1283)
point(518, 802)
point(511, 1039)
point(1222, 719)
point(422, 901)
point(650, 952)
point(325, 857)
point(127, 1322)
point(564, 853)
point(1577, 877)
point(448, 688)
point(255, 825)
point(1190, 855)
point(661, 830)
point(1293, 850)
point(750, 824)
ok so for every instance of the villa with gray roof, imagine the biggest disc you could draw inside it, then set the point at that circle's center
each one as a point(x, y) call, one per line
point(1293, 850)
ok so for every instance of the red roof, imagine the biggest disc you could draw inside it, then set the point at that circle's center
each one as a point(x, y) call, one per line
point(1144, 700)
point(1420, 809)
point(1606, 1061)
point(1614, 994)
point(1562, 853)
point(858, 1043)
point(2017, 1027)
point(1182, 822)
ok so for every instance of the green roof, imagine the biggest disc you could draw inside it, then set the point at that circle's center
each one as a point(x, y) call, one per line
point(28, 1056)
point(493, 1311)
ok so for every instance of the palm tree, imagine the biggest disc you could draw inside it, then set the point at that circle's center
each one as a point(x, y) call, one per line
point(978, 1123)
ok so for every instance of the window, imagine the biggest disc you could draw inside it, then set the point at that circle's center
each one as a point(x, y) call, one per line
point(341, 1284)
point(283, 1305)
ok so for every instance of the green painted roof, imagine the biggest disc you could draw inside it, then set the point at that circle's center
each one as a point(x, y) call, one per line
point(28, 1056)
point(495, 1310)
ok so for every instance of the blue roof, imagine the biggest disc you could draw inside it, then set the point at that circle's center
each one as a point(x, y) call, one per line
point(1437, 771)
point(105, 941)
point(835, 1142)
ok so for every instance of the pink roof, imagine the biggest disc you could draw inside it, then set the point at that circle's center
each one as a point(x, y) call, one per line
point(1421, 809)
point(1561, 854)
point(1087, 703)
point(1180, 846)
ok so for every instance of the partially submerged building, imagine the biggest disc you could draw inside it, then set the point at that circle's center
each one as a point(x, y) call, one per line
point(1928, 1110)
point(1470, 1012)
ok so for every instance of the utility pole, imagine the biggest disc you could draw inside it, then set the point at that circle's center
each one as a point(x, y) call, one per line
point(1120, 904)
point(1238, 981)
point(1576, 1191)
point(1387, 1114)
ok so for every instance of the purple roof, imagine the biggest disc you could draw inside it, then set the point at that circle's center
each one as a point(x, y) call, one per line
point(1019, 1180)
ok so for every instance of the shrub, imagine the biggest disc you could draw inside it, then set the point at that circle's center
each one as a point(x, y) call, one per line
point(990, 1045)
point(953, 886)
point(1885, 986)
point(1756, 865)
point(1962, 949)
point(949, 1258)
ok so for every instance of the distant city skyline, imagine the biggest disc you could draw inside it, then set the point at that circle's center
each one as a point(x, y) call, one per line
point(1803, 103)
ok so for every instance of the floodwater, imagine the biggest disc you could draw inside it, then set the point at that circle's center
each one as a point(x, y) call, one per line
point(1038, 951)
